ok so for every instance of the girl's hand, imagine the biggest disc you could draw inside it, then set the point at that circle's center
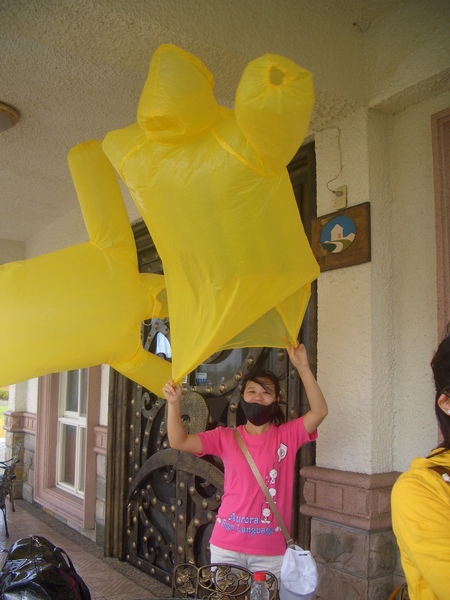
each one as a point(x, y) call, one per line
point(172, 392)
point(178, 438)
point(298, 356)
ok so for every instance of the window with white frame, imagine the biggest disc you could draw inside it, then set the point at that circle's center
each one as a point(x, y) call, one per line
point(66, 460)
point(72, 423)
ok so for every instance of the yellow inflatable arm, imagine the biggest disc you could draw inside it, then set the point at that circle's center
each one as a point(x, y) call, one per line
point(212, 187)
point(82, 306)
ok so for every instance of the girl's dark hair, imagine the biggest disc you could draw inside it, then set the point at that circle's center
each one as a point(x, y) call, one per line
point(259, 376)
point(440, 365)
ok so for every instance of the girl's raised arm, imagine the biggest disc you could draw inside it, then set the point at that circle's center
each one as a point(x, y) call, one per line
point(178, 438)
point(318, 408)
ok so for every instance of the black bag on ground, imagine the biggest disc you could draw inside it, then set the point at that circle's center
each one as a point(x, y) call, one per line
point(35, 569)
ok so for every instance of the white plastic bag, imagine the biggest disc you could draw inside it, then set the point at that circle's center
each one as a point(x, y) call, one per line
point(299, 577)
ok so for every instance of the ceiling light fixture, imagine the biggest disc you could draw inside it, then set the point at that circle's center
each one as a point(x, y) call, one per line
point(8, 116)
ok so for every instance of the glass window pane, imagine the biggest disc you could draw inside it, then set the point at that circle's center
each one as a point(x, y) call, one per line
point(72, 433)
point(83, 391)
point(72, 391)
point(69, 445)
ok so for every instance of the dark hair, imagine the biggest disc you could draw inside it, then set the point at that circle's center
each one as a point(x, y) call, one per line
point(440, 365)
point(260, 376)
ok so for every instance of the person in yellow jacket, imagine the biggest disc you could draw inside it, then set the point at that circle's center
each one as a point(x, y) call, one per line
point(421, 502)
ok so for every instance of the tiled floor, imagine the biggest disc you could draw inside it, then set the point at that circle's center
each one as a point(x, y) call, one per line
point(106, 578)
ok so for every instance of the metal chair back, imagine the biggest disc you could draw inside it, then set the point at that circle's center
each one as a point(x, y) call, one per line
point(227, 582)
point(7, 480)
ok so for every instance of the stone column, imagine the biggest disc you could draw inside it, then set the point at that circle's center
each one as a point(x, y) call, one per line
point(351, 535)
point(20, 428)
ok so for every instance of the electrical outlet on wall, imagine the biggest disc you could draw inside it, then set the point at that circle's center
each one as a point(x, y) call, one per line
point(340, 197)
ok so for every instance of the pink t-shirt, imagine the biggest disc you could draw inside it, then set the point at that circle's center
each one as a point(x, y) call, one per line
point(245, 522)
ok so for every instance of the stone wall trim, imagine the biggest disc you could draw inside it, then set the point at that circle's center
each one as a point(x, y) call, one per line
point(352, 499)
point(20, 422)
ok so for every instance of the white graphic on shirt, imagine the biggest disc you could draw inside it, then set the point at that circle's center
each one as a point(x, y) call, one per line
point(266, 511)
point(266, 514)
point(271, 481)
point(281, 452)
point(273, 474)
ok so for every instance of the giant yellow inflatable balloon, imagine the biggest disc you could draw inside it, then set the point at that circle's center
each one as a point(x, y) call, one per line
point(84, 305)
point(212, 186)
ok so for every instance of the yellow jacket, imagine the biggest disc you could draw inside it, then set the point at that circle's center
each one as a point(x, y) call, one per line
point(421, 524)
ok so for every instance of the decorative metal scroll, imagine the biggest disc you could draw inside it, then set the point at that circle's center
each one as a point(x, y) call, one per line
point(217, 582)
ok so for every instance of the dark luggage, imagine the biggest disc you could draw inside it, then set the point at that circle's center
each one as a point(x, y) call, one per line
point(35, 569)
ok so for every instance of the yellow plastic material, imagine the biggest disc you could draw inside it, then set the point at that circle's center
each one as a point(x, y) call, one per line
point(212, 187)
point(84, 305)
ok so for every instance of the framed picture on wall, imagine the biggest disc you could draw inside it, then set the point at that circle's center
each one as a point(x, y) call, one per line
point(342, 239)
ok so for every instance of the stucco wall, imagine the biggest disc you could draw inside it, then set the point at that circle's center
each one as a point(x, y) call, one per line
point(415, 279)
point(344, 315)
point(407, 46)
point(11, 250)
point(23, 396)
point(377, 321)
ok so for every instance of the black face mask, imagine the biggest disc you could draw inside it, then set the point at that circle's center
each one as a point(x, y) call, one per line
point(258, 414)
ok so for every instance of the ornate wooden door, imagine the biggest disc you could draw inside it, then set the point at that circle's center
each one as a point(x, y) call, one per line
point(161, 504)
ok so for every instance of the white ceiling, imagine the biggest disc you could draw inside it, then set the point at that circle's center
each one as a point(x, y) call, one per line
point(75, 70)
